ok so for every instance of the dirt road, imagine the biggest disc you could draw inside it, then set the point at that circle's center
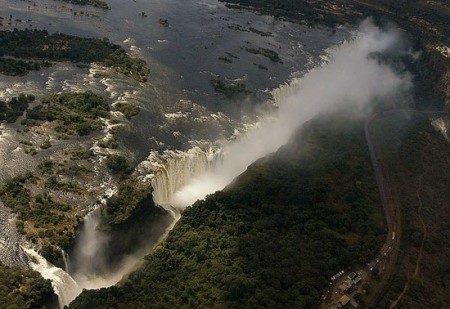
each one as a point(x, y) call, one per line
point(391, 208)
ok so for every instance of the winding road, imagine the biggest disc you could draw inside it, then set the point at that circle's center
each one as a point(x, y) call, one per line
point(388, 256)
point(391, 208)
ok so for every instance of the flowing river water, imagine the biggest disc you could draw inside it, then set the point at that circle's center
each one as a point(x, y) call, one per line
point(182, 122)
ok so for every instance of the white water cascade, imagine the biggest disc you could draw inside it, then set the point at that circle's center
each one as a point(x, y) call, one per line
point(351, 80)
point(66, 259)
point(88, 245)
point(285, 90)
point(180, 178)
point(63, 284)
point(174, 169)
point(88, 255)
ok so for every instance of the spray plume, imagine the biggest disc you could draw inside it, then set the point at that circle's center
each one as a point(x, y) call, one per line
point(353, 78)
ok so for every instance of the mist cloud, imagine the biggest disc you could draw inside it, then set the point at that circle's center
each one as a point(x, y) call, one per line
point(352, 79)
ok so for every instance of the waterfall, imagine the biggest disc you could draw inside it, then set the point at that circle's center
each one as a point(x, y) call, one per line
point(63, 284)
point(174, 169)
point(88, 257)
point(350, 81)
point(286, 90)
point(176, 174)
point(91, 260)
point(66, 260)
point(89, 238)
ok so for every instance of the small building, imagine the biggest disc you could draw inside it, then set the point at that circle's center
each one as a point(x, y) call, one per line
point(345, 285)
point(343, 300)
point(351, 275)
point(357, 280)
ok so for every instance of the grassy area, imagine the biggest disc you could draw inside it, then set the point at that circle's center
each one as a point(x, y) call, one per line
point(126, 203)
point(271, 239)
point(231, 90)
point(43, 200)
point(118, 165)
point(128, 110)
point(268, 53)
point(19, 67)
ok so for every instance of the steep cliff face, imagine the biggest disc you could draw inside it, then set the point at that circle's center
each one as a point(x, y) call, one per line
point(114, 236)
point(173, 170)
point(272, 237)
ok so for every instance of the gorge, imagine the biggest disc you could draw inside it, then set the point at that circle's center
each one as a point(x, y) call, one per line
point(187, 159)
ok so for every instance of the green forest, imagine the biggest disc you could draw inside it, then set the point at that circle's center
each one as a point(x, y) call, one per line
point(41, 218)
point(24, 289)
point(417, 158)
point(33, 49)
point(273, 237)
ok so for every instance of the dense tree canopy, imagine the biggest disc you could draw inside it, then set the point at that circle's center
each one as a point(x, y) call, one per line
point(22, 288)
point(272, 238)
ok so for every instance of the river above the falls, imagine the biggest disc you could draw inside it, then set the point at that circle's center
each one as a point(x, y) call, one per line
point(183, 55)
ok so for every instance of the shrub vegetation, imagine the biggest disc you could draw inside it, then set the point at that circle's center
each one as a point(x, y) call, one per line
point(76, 113)
point(32, 49)
point(23, 288)
point(15, 107)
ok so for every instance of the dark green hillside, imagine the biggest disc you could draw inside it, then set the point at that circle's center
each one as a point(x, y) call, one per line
point(272, 238)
